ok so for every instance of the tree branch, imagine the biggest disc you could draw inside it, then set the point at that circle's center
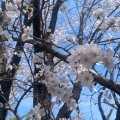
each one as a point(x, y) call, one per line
point(106, 82)
point(100, 106)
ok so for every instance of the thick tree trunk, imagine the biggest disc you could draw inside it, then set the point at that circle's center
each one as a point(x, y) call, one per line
point(2, 71)
point(8, 76)
point(118, 113)
point(3, 63)
point(40, 91)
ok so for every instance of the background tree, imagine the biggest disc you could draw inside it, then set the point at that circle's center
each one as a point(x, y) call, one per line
point(53, 48)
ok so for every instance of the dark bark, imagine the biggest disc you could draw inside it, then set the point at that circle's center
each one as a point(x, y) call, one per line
point(41, 89)
point(118, 113)
point(36, 33)
point(7, 75)
point(106, 82)
point(2, 71)
point(8, 80)
point(54, 15)
point(100, 107)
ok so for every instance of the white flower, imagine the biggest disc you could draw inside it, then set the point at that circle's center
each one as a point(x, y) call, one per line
point(27, 30)
point(37, 117)
point(42, 112)
point(109, 96)
point(38, 57)
point(52, 81)
point(86, 78)
point(26, 34)
point(48, 74)
point(99, 13)
point(9, 67)
point(59, 93)
point(7, 19)
point(9, 37)
point(66, 96)
point(37, 112)
point(112, 20)
point(95, 53)
point(19, 54)
point(67, 89)
point(63, 80)
point(86, 61)
point(71, 39)
point(11, 14)
point(72, 57)
point(24, 37)
point(105, 100)
point(72, 104)
point(46, 67)
point(108, 62)
point(87, 55)
point(51, 89)
point(110, 51)
point(17, 2)
point(62, 118)
point(105, 92)
point(76, 118)
point(51, 37)
point(48, 30)
point(12, 11)
point(9, 6)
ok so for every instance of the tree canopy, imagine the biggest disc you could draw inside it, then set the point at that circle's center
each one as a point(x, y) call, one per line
point(64, 55)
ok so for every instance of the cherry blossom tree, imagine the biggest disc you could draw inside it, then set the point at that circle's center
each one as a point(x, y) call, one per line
point(60, 53)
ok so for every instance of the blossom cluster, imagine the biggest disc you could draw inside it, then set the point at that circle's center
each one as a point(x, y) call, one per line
point(60, 89)
point(99, 13)
point(108, 59)
point(37, 112)
point(26, 35)
point(12, 11)
point(85, 57)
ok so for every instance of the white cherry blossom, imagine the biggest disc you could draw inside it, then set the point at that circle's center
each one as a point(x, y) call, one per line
point(18, 1)
point(37, 58)
point(110, 51)
point(99, 13)
point(26, 35)
point(37, 112)
point(108, 62)
point(72, 104)
point(86, 78)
